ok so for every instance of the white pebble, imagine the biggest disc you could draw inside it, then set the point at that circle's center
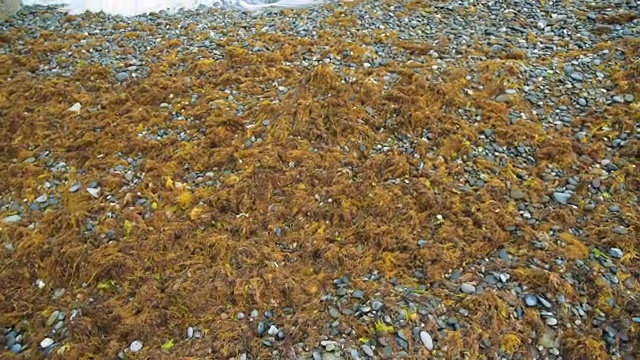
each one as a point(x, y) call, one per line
point(427, 341)
point(75, 108)
point(46, 342)
point(95, 192)
point(135, 346)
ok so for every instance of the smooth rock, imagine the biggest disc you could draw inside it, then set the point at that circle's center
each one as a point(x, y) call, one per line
point(136, 346)
point(11, 219)
point(468, 288)
point(122, 76)
point(426, 339)
point(616, 253)
point(53, 317)
point(367, 350)
point(562, 198)
point(46, 342)
point(530, 300)
point(95, 192)
point(15, 348)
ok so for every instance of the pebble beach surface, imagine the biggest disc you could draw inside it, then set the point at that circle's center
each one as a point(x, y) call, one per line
point(362, 179)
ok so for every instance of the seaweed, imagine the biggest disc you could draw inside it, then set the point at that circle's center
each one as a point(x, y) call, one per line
point(290, 195)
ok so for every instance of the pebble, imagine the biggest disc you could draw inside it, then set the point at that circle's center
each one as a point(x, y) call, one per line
point(616, 253)
point(551, 321)
point(95, 192)
point(189, 332)
point(53, 317)
point(530, 300)
point(15, 348)
point(367, 350)
point(562, 198)
point(46, 342)
point(376, 305)
point(135, 346)
point(11, 219)
point(358, 294)
point(122, 76)
point(426, 339)
point(468, 288)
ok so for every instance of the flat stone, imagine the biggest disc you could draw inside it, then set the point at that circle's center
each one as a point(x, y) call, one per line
point(122, 76)
point(367, 350)
point(468, 288)
point(562, 198)
point(53, 317)
point(11, 219)
point(15, 348)
point(551, 321)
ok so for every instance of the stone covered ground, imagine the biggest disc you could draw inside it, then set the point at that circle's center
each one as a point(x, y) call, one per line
point(370, 179)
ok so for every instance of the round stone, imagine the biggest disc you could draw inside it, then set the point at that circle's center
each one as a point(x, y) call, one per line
point(135, 346)
point(530, 300)
point(16, 348)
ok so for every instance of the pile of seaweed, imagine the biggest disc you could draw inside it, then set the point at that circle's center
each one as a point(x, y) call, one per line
point(276, 221)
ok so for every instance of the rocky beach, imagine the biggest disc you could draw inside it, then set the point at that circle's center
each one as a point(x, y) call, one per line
point(353, 180)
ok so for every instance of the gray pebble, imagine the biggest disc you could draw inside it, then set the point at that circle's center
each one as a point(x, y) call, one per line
point(618, 99)
point(10, 339)
point(551, 321)
point(122, 76)
point(273, 330)
point(367, 350)
point(376, 305)
point(628, 98)
point(562, 198)
point(544, 302)
point(616, 253)
point(189, 332)
point(576, 76)
point(468, 288)
point(530, 300)
point(262, 327)
point(15, 348)
point(11, 219)
point(358, 294)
